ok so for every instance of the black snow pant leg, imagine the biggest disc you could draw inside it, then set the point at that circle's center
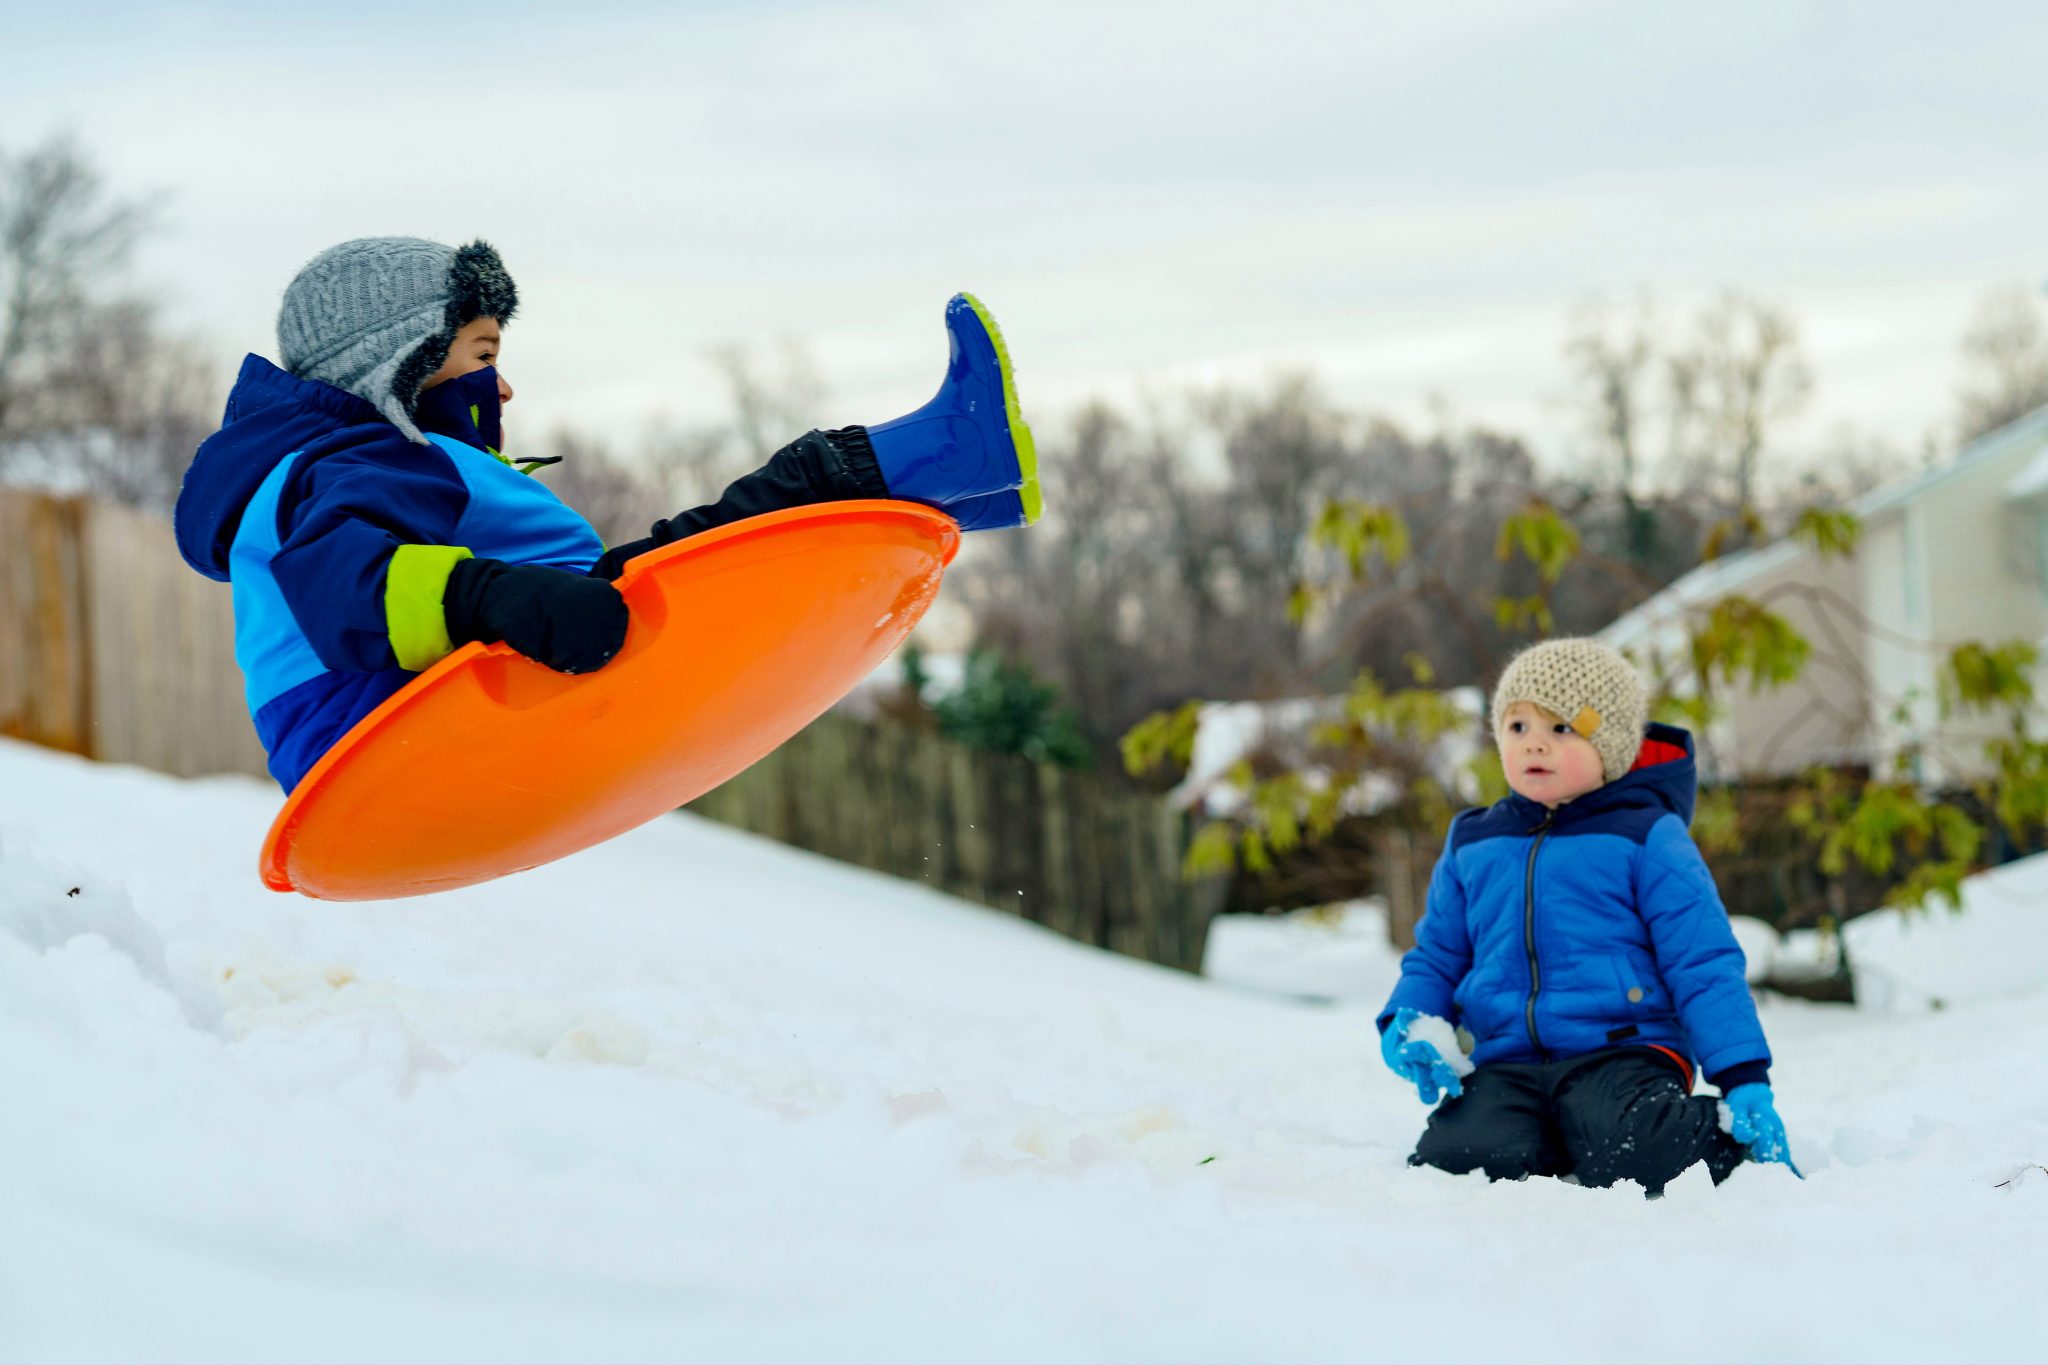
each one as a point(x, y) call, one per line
point(819, 466)
point(1500, 1125)
point(1626, 1116)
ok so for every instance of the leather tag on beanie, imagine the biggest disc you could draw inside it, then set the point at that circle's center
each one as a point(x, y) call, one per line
point(1586, 723)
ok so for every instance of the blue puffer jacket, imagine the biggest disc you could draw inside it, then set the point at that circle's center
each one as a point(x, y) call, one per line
point(1551, 934)
point(339, 534)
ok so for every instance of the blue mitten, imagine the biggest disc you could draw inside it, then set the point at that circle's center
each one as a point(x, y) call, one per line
point(1753, 1121)
point(1418, 1062)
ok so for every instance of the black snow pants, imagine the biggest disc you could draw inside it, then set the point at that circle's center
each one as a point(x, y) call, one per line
point(819, 466)
point(1619, 1114)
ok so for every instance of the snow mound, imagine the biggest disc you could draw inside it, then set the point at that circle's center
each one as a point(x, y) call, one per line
point(1994, 948)
point(1338, 953)
point(54, 908)
point(693, 1096)
point(46, 905)
point(1759, 943)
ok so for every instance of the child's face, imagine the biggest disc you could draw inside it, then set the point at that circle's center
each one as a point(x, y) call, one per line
point(476, 346)
point(1546, 760)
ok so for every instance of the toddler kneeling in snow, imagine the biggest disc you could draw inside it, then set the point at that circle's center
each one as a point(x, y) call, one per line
point(1574, 932)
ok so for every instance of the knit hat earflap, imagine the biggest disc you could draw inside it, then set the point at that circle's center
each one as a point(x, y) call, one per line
point(376, 316)
point(1588, 686)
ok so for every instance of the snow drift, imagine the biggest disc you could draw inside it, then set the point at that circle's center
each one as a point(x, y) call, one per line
point(693, 1096)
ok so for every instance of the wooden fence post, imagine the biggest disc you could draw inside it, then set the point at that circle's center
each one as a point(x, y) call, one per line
point(1405, 867)
point(45, 667)
point(111, 647)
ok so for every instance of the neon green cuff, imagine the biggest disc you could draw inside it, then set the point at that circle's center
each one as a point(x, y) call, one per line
point(413, 588)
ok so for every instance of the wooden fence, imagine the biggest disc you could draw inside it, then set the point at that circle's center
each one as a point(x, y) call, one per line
point(111, 647)
point(1072, 851)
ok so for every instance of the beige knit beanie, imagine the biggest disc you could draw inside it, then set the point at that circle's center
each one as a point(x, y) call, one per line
point(1590, 687)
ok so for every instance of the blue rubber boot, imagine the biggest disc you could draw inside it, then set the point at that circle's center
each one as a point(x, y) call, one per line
point(1011, 508)
point(970, 441)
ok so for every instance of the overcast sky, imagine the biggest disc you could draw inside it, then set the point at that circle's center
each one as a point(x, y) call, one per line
point(1408, 198)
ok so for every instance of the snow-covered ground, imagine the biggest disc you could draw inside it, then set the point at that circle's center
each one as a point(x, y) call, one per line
point(696, 1097)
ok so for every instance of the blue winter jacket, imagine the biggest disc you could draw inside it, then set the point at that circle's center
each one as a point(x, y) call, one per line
point(338, 534)
point(1551, 934)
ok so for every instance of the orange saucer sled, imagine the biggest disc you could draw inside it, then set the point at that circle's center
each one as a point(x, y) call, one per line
point(489, 763)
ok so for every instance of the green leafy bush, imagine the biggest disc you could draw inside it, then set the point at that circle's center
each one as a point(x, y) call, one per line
point(1004, 707)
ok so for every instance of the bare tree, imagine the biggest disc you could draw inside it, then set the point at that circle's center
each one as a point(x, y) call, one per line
point(622, 487)
point(61, 237)
point(1742, 375)
point(1176, 538)
point(1102, 597)
point(619, 497)
point(1088, 596)
point(1847, 463)
point(1614, 361)
point(2005, 362)
point(94, 395)
point(688, 464)
point(120, 408)
point(774, 400)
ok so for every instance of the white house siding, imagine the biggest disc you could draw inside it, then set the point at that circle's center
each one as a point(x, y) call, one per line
point(1892, 569)
point(1660, 649)
point(1954, 555)
point(1940, 568)
point(1823, 716)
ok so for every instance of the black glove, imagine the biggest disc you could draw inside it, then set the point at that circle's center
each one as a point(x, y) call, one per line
point(569, 621)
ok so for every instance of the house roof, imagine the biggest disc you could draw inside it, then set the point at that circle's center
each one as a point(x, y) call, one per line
point(2004, 441)
point(1713, 579)
point(1718, 577)
point(2032, 481)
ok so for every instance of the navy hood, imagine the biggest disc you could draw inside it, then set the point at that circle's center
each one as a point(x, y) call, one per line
point(270, 415)
point(1665, 778)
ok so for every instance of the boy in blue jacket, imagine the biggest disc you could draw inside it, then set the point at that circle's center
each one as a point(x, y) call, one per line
point(1574, 933)
point(358, 502)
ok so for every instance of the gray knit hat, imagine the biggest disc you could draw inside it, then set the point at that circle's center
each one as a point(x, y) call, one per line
point(376, 316)
point(1588, 686)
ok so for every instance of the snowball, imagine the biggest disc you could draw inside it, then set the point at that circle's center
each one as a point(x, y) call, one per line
point(1428, 1028)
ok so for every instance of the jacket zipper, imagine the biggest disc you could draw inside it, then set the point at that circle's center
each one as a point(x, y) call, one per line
point(1529, 938)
